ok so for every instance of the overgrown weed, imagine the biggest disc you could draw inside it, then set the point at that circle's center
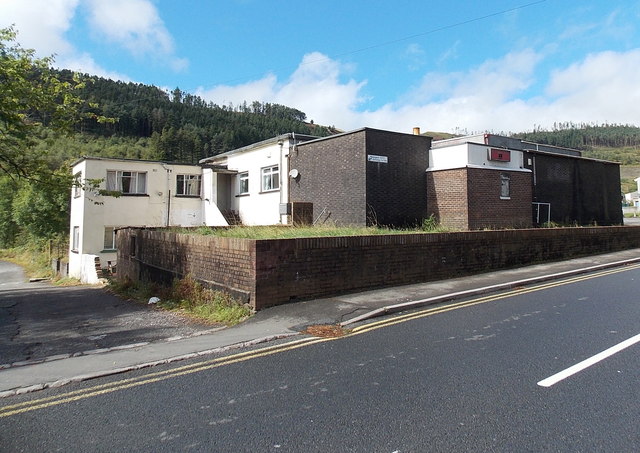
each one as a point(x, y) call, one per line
point(188, 297)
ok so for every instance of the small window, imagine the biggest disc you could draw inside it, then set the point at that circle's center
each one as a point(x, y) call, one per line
point(77, 185)
point(127, 182)
point(188, 185)
point(505, 186)
point(75, 240)
point(109, 238)
point(243, 179)
point(270, 178)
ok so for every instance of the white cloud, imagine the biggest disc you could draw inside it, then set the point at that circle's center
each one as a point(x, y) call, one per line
point(602, 87)
point(136, 26)
point(315, 88)
point(41, 24)
point(490, 97)
point(85, 63)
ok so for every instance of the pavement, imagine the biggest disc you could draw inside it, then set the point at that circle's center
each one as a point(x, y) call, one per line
point(279, 322)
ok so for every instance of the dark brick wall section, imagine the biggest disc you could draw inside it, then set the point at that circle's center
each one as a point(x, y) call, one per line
point(580, 191)
point(347, 189)
point(396, 193)
point(220, 263)
point(273, 272)
point(332, 177)
point(488, 210)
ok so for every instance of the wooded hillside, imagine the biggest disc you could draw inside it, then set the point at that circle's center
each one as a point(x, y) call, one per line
point(181, 127)
point(614, 142)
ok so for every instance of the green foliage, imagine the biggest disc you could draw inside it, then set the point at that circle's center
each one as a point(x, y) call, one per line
point(290, 232)
point(40, 208)
point(591, 137)
point(183, 127)
point(8, 227)
point(33, 96)
point(34, 255)
point(430, 224)
point(188, 297)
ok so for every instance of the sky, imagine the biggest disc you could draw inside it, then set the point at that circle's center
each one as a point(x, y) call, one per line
point(449, 66)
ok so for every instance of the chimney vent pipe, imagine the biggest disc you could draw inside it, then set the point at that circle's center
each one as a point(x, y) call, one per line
point(416, 131)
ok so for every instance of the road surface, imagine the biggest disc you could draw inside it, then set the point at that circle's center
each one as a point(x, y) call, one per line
point(497, 373)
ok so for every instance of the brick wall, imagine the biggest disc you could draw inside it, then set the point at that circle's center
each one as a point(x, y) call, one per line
point(332, 177)
point(579, 190)
point(396, 193)
point(488, 210)
point(337, 178)
point(447, 197)
point(272, 272)
point(220, 263)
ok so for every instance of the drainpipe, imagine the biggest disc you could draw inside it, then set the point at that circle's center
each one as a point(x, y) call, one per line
point(168, 192)
point(282, 181)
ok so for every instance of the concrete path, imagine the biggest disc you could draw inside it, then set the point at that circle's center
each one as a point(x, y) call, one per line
point(277, 322)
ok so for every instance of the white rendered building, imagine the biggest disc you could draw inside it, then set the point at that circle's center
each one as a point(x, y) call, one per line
point(152, 194)
point(252, 182)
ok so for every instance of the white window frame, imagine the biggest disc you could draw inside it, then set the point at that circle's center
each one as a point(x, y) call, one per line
point(75, 239)
point(188, 185)
point(270, 178)
point(243, 183)
point(77, 188)
point(112, 244)
point(137, 185)
point(505, 186)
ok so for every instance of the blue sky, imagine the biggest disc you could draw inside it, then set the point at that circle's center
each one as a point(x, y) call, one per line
point(454, 66)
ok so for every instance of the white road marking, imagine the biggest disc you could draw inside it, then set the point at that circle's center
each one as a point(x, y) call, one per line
point(548, 382)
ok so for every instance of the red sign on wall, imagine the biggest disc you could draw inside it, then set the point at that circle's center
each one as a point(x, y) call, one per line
point(501, 155)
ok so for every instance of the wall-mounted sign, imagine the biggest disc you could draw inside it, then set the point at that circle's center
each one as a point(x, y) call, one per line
point(379, 159)
point(501, 155)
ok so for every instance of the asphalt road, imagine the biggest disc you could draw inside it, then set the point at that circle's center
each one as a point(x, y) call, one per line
point(462, 377)
point(38, 320)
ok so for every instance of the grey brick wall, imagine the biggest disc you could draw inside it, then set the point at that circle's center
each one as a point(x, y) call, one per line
point(336, 177)
point(332, 177)
point(396, 194)
point(580, 191)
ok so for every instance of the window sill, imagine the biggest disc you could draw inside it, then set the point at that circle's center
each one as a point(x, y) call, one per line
point(270, 191)
point(134, 195)
point(242, 195)
point(187, 196)
point(109, 251)
point(74, 251)
point(505, 198)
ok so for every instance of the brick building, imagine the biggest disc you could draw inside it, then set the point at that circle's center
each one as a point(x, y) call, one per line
point(536, 184)
point(362, 177)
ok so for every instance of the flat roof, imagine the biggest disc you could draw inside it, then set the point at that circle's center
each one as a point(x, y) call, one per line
point(259, 144)
point(122, 159)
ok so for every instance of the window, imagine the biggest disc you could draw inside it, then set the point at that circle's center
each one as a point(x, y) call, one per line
point(270, 178)
point(75, 240)
point(188, 185)
point(77, 187)
point(127, 182)
point(505, 189)
point(243, 179)
point(109, 238)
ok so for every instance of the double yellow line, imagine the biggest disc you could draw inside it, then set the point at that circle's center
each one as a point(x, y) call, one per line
point(103, 389)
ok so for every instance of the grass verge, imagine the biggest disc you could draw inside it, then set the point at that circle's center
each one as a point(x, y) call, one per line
point(429, 225)
point(32, 257)
point(189, 298)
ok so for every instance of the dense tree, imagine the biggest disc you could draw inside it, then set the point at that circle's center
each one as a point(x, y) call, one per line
point(32, 96)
